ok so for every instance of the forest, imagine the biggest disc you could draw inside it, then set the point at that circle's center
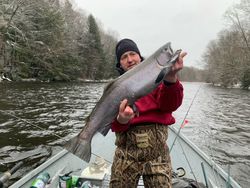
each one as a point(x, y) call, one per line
point(49, 40)
point(227, 58)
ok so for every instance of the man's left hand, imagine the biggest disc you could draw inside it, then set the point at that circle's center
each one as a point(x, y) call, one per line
point(172, 75)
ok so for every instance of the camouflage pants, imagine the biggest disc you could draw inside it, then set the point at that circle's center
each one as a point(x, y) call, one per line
point(142, 151)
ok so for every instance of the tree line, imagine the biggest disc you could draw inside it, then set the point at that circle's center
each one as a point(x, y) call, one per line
point(49, 40)
point(227, 57)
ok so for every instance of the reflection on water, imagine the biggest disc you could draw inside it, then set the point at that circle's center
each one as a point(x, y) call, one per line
point(35, 118)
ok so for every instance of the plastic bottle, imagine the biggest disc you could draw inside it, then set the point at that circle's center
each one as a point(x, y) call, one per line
point(41, 180)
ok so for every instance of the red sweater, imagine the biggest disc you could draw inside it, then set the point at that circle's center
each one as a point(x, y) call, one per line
point(156, 107)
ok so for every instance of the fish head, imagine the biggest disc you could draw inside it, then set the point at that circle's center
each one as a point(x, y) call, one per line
point(166, 56)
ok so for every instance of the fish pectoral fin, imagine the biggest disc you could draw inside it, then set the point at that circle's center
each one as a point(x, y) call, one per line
point(105, 129)
point(135, 109)
point(161, 75)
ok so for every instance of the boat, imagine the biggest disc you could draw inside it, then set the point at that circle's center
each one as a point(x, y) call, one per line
point(185, 155)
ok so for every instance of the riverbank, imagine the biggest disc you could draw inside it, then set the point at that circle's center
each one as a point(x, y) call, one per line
point(235, 86)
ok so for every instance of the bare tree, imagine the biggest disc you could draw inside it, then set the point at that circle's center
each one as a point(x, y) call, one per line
point(228, 56)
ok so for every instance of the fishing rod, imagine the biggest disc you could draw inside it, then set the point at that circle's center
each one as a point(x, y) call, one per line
point(184, 121)
point(43, 129)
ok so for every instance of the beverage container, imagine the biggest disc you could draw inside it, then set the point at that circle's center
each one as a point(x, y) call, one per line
point(65, 181)
point(75, 181)
point(41, 180)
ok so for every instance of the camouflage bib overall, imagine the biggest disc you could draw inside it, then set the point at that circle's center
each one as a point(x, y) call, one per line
point(142, 151)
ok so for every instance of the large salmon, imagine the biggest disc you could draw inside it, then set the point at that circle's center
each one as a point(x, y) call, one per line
point(135, 83)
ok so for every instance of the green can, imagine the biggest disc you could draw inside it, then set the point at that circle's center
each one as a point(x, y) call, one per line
point(74, 181)
point(65, 181)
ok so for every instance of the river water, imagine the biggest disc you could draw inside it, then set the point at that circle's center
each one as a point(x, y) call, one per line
point(37, 118)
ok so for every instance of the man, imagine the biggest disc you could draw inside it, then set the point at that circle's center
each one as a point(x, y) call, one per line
point(141, 139)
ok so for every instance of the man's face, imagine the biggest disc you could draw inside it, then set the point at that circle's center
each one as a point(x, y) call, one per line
point(129, 60)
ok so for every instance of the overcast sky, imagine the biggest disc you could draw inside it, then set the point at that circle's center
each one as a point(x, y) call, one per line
point(188, 24)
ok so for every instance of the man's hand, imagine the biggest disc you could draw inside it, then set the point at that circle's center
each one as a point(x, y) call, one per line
point(172, 75)
point(125, 112)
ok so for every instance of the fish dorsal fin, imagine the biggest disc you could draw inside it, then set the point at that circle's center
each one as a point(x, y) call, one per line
point(104, 130)
point(109, 85)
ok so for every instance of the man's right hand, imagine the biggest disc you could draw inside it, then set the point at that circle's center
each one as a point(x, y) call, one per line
point(126, 113)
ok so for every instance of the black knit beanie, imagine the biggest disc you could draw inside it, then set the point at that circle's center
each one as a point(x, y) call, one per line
point(123, 46)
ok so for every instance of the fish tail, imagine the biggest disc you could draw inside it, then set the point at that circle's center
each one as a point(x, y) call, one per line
point(79, 147)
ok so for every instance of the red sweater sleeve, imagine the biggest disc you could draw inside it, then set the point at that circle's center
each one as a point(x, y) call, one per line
point(118, 127)
point(163, 98)
point(169, 98)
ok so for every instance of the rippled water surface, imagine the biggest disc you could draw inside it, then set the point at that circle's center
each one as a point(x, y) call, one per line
point(36, 118)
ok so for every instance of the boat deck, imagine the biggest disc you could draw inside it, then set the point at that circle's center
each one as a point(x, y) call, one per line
point(185, 154)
